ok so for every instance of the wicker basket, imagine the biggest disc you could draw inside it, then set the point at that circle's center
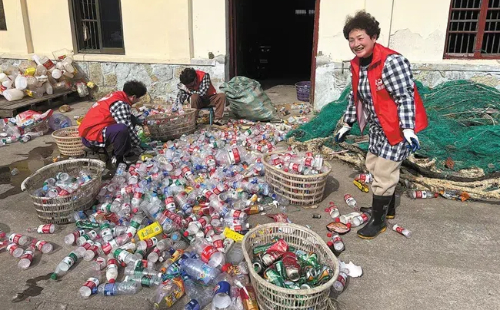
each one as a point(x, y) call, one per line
point(166, 127)
point(68, 141)
point(299, 189)
point(57, 210)
point(270, 296)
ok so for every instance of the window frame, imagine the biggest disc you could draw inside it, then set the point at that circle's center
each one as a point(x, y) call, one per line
point(4, 17)
point(76, 30)
point(481, 23)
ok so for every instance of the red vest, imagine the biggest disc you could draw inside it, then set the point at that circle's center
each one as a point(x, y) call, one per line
point(199, 77)
point(385, 107)
point(99, 117)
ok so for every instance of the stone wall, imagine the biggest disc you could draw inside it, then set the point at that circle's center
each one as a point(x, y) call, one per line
point(333, 77)
point(160, 79)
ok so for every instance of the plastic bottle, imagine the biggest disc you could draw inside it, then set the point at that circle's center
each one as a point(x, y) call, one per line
point(235, 254)
point(71, 238)
point(119, 288)
point(359, 220)
point(198, 270)
point(208, 253)
point(43, 229)
point(68, 262)
point(88, 287)
point(58, 121)
point(43, 246)
point(222, 291)
point(168, 293)
point(27, 257)
point(340, 283)
point(15, 250)
point(333, 210)
point(199, 296)
point(417, 194)
point(403, 231)
point(336, 242)
point(145, 280)
point(351, 202)
point(162, 245)
point(19, 239)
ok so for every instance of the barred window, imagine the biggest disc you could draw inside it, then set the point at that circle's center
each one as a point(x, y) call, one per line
point(98, 26)
point(473, 29)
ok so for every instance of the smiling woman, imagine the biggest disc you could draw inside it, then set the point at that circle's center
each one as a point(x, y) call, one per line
point(385, 97)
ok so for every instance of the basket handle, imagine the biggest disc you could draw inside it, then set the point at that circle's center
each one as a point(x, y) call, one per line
point(23, 185)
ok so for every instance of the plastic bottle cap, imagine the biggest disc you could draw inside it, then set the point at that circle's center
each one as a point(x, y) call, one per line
point(329, 235)
point(348, 225)
point(329, 243)
point(337, 220)
point(111, 281)
point(186, 233)
point(226, 267)
point(327, 210)
point(53, 276)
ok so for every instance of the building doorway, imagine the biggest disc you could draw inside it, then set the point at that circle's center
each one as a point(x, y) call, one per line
point(272, 41)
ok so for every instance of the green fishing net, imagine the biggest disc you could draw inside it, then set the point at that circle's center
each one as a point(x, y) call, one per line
point(464, 120)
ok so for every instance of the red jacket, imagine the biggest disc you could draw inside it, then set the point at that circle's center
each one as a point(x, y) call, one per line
point(99, 117)
point(385, 106)
point(199, 77)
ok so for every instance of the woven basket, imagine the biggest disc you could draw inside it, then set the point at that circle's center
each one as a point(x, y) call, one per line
point(301, 190)
point(68, 141)
point(166, 127)
point(57, 210)
point(270, 296)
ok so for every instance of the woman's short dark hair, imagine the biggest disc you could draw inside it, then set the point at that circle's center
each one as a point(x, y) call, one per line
point(363, 21)
point(188, 76)
point(135, 88)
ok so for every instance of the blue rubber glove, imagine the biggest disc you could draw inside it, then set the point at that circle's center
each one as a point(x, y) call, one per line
point(412, 139)
point(342, 134)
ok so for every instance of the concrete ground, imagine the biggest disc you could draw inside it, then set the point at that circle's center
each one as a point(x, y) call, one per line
point(452, 260)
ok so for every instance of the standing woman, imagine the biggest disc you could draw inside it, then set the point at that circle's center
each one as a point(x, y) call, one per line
point(383, 95)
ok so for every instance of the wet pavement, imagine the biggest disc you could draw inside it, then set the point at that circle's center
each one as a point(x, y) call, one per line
point(452, 260)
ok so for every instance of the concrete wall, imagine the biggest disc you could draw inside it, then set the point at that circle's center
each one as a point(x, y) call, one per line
point(156, 31)
point(416, 29)
point(13, 40)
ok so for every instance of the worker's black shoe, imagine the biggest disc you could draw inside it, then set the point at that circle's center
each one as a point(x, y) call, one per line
point(391, 212)
point(377, 223)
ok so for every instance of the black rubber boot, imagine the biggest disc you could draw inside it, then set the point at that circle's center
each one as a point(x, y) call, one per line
point(391, 213)
point(377, 223)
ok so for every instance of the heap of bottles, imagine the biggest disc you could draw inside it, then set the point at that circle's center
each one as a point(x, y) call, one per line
point(302, 164)
point(63, 184)
point(25, 247)
point(174, 221)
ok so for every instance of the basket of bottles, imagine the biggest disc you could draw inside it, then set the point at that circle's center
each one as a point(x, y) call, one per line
point(59, 189)
point(298, 269)
point(171, 126)
point(69, 141)
point(299, 178)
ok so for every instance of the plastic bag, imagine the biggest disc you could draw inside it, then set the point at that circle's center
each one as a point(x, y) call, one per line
point(247, 99)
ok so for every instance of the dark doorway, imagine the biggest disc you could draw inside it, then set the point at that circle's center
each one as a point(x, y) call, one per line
point(272, 41)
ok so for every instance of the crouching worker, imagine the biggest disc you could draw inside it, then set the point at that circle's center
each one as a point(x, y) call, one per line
point(197, 86)
point(110, 122)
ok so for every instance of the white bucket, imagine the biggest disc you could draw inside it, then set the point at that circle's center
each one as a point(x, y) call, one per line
point(13, 94)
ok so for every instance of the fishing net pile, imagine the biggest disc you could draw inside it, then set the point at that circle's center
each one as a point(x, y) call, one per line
point(459, 147)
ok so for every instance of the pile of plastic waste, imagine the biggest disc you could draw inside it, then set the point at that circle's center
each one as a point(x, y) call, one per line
point(30, 124)
point(41, 75)
point(63, 184)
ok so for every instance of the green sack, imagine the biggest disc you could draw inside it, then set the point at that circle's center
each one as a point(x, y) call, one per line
point(247, 99)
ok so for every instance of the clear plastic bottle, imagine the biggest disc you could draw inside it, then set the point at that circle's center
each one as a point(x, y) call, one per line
point(235, 254)
point(43, 229)
point(199, 296)
point(351, 202)
point(145, 280)
point(168, 293)
point(403, 231)
point(161, 246)
point(15, 250)
point(336, 242)
point(43, 246)
point(27, 257)
point(418, 194)
point(89, 286)
point(340, 283)
point(68, 262)
point(198, 270)
point(19, 239)
point(119, 288)
point(222, 291)
point(208, 253)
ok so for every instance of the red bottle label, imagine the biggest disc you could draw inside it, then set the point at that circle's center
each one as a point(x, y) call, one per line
point(207, 253)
